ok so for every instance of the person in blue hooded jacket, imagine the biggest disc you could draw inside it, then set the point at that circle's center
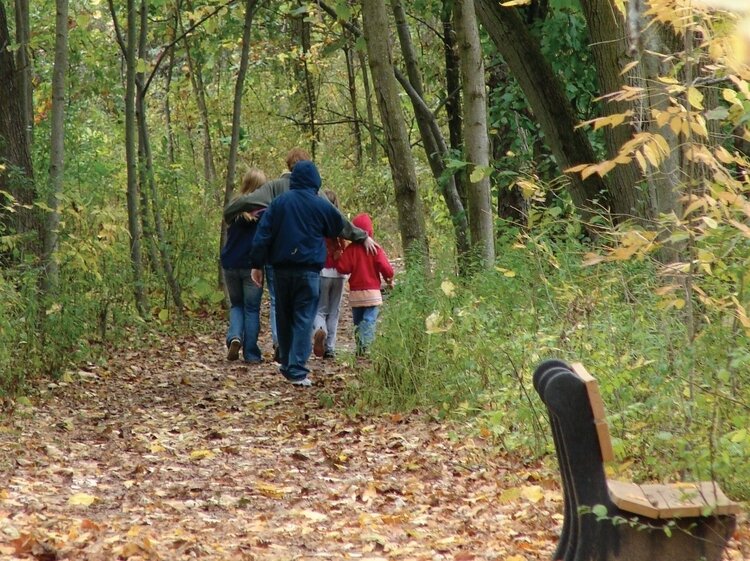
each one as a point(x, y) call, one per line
point(291, 238)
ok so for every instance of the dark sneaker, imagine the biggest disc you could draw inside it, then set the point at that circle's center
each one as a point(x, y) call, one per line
point(319, 343)
point(234, 349)
point(304, 382)
point(276, 358)
point(329, 354)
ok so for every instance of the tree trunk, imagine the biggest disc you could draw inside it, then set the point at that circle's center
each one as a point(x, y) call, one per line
point(196, 80)
point(548, 101)
point(17, 177)
point(432, 137)
point(168, 110)
point(373, 147)
point(237, 115)
point(352, 84)
point(50, 281)
point(408, 203)
point(129, 50)
point(301, 34)
point(665, 181)
point(453, 93)
point(481, 222)
point(609, 46)
point(147, 229)
point(23, 64)
point(149, 185)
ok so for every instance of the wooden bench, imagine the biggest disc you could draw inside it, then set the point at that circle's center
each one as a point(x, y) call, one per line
point(679, 522)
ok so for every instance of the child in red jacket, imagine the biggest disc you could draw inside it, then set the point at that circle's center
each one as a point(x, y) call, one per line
point(364, 284)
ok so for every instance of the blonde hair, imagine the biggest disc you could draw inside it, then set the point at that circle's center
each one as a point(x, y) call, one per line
point(252, 179)
point(296, 155)
point(331, 196)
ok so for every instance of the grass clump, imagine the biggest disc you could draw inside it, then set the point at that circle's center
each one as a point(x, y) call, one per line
point(467, 348)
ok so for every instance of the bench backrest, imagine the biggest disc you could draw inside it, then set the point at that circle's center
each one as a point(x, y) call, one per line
point(597, 408)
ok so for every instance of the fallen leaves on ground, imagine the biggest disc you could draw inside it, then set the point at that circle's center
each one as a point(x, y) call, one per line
point(174, 453)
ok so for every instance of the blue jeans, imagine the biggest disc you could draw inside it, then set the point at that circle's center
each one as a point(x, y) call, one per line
point(364, 318)
point(327, 318)
point(297, 293)
point(272, 297)
point(244, 312)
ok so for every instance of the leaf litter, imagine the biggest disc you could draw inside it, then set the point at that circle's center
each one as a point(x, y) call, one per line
point(174, 453)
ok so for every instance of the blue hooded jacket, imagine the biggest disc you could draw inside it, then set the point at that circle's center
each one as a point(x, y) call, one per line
point(293, 229)
point(240, 235)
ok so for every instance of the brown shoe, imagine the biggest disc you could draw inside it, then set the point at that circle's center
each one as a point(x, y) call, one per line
point(319, 343)
point(234, 349)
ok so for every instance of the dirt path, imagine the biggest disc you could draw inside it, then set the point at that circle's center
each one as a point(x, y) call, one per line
point(174, 453)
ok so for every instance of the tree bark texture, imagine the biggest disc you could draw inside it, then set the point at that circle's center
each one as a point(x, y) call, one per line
point(147, 228)
point(23, 64)
point(665, 181)
point(196, 80)
point(477, 144)
point(301, 35)
point(237, 115)
point(149, 185)
point(50, 279)
point(547, 99)
point(128, 46)
point(453, 92)
point(373, 145)
point(351, 79)
point(18, 177)
point(610, 47)
point(408, 203)
point(432, 137)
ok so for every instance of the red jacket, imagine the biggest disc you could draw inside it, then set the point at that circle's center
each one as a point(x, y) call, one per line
point(365, 269)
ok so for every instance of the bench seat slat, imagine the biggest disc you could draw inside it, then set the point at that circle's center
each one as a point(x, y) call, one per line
point(656, 501)
point(678, 500)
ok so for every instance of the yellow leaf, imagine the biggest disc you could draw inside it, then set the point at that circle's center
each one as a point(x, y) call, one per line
point(723, 155)
point(676, 124)
point(699, 127)
point(201, 454)
point(511, 3)
point(661, 143)
point(270, 490)
point(641, 161)
point(448, 288)
point(592, 259)
point(590, 170)
point(435, 323)
point(623, 253)
point(528, 188)
point(662, 117)
point(509, 495)
point(741, 227)
point(532, 493)
point(576, 169)
point(695, 97)
point(82, 499)
point(605, 167)
point(651, 156)
point(729, 95)
point(628, 67)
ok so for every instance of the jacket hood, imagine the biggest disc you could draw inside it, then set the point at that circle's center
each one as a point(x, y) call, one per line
point(305, 176)
point(364, 222)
